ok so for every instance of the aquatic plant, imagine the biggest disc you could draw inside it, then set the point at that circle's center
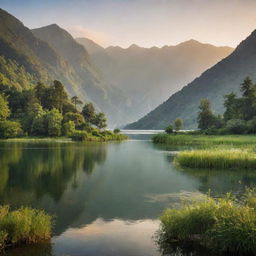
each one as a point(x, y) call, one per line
point(24, 225)
point(223, 159)
point(225, 225)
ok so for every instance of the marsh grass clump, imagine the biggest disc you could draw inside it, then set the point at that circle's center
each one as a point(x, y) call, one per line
point(25, 225)
point(223, 159)
point(225, 225)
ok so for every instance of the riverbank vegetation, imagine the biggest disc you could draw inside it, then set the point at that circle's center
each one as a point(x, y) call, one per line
point(47, 111)
point(24, 226)
point(225, 225)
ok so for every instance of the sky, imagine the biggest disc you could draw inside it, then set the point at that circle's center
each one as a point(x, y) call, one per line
point(146, 23)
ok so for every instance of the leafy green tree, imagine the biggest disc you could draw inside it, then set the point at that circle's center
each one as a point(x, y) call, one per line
point(68, 107)
point(247, 87)
point(100, 121)
point(10, 129)
point(68, 128)
point(116, 131)
point(77, 118)
point(206, 118)
point(236, 126)
point(76, 101)
point(54, 121)
point(232, 107)
point(4, 108)
point(89, 113)
point(178, 124)
point(169, 129)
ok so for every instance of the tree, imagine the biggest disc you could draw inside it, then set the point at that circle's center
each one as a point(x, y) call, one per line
point(100, 120)
point(10, 129)
point(4, 108)
point(116, 130)
point(205, 116)
point(233, 107)
point(178, 124)
point(54, 120)
point(89, 113)
point(169, 129)
point(76, 101)
point(247, 87)
point(68, 128)
point(77, 118)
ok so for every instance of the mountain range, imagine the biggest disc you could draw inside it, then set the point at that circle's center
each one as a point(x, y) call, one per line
point(148, 76)
point(124, 83)
point(223, 78)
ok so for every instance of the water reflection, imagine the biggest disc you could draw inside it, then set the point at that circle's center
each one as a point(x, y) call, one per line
point(107, 197)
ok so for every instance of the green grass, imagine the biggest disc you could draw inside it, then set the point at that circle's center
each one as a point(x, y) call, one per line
point(24, 226)
point(204, 140)
point(224, 225)
point(221, 159)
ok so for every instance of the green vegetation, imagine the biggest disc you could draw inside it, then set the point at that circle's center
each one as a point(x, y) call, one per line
point(222, 159)
point(225, 225)
point(24, 225)
point(48, 112)
point(178, 124)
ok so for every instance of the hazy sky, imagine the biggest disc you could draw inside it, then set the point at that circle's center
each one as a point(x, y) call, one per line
point(143, 22)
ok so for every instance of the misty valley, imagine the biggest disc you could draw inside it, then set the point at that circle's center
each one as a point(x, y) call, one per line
point(111, 147)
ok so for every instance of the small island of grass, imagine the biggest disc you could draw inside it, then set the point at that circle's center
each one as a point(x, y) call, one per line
point(224, 225)
point(24, 226)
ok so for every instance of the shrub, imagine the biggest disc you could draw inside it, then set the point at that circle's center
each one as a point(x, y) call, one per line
point(116, 130)
point(79, 136)
point(169, 129)
point(236, 126)
point(24, 225)
point(10, 129)
point(220, 224)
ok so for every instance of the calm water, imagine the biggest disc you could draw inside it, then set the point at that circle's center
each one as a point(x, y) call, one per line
point(106, 197)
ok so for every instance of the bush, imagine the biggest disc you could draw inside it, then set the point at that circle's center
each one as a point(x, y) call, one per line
point(236, 126)
point(24, 225)
point(222, 224)
point(116, 130)
point(79, 136)
point(169, 129)
point(10, 129)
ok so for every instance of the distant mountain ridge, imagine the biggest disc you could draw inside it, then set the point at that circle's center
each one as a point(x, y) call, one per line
point(223, 78)
point(148, 76)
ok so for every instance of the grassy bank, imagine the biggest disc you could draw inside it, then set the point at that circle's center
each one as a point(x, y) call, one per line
point(223, 225)
point(23, 226)
point(221, 159)
point(204, 140)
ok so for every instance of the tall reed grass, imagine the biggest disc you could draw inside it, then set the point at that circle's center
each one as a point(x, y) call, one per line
point(24, 225)
point(222, 159)
point(223, 225)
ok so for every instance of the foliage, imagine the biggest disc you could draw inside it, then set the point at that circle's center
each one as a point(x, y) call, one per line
point(169, 129)
point(68, 128)
point(116, 130)
point(220, 224)
point(178, 124)
point(100, 120)
point(205, 116)
point(10, 129)
point(24, 225)
point(4, 108)
point(77, 118)
point(218, 158)
point(54, 121)
point(236, 126)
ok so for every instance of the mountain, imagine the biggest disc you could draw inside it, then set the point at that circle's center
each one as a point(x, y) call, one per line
point(223, 78)
point(148, 76)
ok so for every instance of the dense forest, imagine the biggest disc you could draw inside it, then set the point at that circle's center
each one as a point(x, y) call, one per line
point(45, 110)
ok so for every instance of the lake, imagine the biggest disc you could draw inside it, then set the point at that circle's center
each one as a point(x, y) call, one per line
point(107, 197)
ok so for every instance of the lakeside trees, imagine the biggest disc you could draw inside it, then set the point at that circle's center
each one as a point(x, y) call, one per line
point(44, 111)
point(239, 116)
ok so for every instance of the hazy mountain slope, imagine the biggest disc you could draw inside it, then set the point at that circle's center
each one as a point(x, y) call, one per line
point(93, 87)
point(225, 77)
point(148, 76)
